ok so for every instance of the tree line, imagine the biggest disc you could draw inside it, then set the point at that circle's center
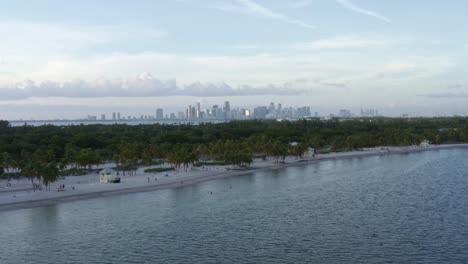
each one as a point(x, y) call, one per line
point(42, 153)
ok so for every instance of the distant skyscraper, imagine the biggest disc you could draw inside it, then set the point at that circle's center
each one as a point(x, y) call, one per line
point(180, 115)
point(260, 112)
point(227, 110)
point(193, 112)
point(227, 107)
point(118, 115)
point(113, 116)
point(159, 113)
point(103, 117)
point(345, 113)
point(271, 108)
point(198, 111)
point(189, 112)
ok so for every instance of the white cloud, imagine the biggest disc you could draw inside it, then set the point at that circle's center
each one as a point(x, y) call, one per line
point(243, 47)
point(353, 7)
point(142, 86)
point(343, 42)
point(251, 7)
point(414, 69)
point(301, 3)
point(42, 39)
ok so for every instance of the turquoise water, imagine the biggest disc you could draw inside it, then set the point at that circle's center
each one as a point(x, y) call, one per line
point(410, 208)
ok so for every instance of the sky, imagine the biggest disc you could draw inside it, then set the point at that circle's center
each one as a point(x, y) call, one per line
point(67, 59)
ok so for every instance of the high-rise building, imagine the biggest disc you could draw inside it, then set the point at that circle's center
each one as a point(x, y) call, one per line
point(369, 112)
point(260, 112)
point(181, 115)
point(103, 117)
point(118, 115)
point(159, 113)
point(189, 112)
point(113, 116)
point(227, 110)
point(271, 108)
point(303, 112)
point(193, 112)
point(227, 107)
point(344, 113)
point(198, 111)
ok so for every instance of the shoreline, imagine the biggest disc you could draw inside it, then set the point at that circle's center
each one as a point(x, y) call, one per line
point(204, 176)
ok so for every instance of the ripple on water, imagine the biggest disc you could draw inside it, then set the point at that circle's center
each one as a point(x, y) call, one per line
point(391, 209)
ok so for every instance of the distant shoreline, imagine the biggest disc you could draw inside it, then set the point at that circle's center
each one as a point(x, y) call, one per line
point(205, 176)
point(134, 122)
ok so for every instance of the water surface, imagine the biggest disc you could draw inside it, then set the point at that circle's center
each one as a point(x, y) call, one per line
point(410, 208)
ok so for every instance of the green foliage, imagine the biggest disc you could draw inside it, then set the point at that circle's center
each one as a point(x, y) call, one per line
point(36, 151)
point(154, 170)
point(126, 167)
point(210, 163)
point(87, 157)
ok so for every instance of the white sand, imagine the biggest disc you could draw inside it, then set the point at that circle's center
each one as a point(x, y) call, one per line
point(21, 195)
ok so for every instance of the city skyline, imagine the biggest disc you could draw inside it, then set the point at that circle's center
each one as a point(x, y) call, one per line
point(224, 111)
point(329, 54)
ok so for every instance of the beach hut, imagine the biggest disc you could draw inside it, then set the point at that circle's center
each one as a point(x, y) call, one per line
point(425, 143)
point(108, 176)
point(310, 152)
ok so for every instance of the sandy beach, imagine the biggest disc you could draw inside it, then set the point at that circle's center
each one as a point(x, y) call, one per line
point(20, 194)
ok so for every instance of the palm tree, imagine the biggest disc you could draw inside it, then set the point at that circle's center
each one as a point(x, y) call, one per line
point(49, 173)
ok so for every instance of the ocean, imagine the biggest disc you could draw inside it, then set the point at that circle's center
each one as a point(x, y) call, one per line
point(405, 208)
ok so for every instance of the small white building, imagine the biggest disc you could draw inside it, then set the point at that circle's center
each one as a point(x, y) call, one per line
point(109, 176)
point(425, 143)
point(310, 152)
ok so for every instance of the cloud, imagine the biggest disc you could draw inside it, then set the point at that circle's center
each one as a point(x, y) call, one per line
point(343, 42)
point(242, 47)
point(251, 7)
point(446, 95)
point(353, 7)
point(23, 38)
point(142, 86)
point(414, 68)
point(301, 3)
point(456, 86)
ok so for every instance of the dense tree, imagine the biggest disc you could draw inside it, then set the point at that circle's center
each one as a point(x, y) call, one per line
point(235, 141)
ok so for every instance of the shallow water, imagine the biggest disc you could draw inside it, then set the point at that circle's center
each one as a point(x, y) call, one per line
point(410, 208)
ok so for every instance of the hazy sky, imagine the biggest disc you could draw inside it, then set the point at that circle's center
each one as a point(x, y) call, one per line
point(72, 58)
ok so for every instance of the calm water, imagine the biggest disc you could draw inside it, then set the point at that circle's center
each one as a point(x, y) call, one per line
point(409, 208)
